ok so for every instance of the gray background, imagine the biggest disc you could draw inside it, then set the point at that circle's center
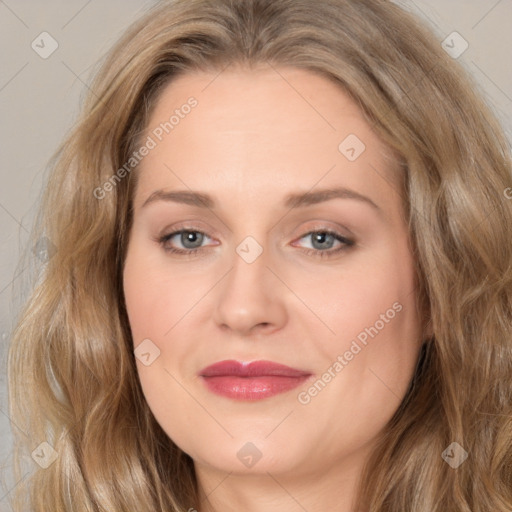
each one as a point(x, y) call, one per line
point(39, 101)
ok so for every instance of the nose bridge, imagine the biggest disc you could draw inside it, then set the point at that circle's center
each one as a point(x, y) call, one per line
point(249, 268)
point(248, 296)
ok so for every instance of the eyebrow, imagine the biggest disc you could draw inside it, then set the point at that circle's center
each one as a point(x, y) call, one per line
point(295, 200)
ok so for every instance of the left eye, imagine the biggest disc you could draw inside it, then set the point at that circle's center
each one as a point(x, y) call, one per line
point(326, 238)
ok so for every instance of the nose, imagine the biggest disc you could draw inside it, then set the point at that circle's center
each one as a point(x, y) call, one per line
point(251, 298)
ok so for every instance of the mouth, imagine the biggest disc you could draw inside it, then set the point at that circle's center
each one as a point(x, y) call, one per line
point(251, 381)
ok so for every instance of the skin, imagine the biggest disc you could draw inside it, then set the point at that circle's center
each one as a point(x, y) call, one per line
point(255, 137)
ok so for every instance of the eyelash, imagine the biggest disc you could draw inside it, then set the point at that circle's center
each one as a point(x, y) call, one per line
point(346, 244)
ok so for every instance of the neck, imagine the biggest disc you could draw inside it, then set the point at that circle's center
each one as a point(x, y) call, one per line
point(314, 489)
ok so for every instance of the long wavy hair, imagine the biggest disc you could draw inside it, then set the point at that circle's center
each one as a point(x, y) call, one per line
point(72, 373)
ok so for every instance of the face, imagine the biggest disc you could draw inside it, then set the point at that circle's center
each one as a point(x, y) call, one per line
point(254, 270)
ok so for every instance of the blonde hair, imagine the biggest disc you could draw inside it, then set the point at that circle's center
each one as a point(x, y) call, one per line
point(73, 379)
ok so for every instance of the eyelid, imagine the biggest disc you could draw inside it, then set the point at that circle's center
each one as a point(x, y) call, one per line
point(328, 231)
point(345, 243)
point(185, 226)
point(317, 226)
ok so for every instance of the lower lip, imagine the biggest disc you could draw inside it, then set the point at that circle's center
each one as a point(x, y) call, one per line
point(252, 388)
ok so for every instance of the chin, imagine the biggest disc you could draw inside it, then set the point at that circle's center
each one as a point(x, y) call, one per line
point(241, 456)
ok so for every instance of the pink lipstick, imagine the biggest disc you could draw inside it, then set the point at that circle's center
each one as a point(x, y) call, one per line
point(251, 381)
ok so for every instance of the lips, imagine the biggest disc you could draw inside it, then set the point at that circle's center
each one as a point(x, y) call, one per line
point(251, 381)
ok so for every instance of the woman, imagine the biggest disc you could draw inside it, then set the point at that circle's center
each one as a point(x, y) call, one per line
point(248, 370)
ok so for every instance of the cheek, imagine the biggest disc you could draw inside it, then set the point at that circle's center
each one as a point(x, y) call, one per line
point(153, 299)
point(372, 309)
point(154, 307)
point(375, 293)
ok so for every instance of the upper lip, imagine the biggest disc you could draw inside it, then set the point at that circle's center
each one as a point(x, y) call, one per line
point(252, 369)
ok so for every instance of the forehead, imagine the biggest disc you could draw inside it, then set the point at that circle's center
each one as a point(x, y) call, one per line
point(261, 99)
point(266, 126)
